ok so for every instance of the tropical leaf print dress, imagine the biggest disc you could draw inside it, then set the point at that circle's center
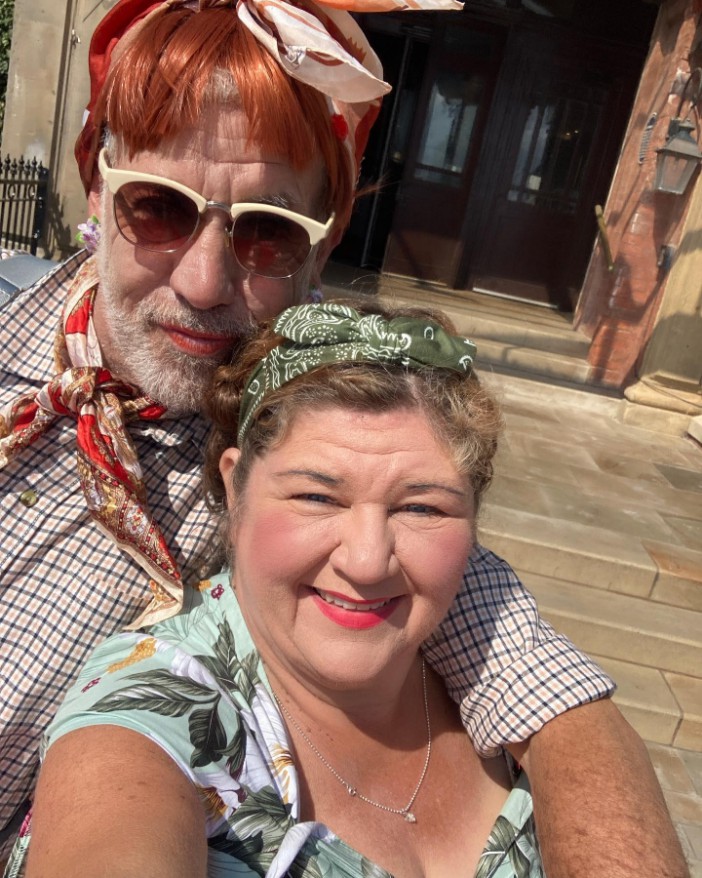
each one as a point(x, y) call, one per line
point(194, 685)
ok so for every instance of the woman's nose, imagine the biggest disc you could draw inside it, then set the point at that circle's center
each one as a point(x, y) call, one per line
point(365, 552)
point(206, 274)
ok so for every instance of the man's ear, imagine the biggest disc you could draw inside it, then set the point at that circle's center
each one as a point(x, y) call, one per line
point(227, 462)
point(94, 199)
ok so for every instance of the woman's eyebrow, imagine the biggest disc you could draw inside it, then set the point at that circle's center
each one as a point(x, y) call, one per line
point(315, 476)
point(426, 487)
point(415, 487)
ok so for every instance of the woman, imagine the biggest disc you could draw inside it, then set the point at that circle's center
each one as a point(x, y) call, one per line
point(287, 722)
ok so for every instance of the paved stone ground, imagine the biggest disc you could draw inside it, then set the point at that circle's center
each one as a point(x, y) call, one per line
point(680, 775)
point(581, 494)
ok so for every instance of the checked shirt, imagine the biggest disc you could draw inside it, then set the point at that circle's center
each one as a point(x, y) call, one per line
point(64, 585)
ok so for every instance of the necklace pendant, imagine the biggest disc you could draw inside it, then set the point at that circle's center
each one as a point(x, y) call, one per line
point(352, 791)
point(409, 817)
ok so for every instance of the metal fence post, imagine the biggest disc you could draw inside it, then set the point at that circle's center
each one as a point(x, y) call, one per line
point(23, 193)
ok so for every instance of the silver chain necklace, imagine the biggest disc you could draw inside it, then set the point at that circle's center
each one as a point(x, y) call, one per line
point(350, 788)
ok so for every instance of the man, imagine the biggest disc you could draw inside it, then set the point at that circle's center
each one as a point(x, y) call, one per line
point(264, 107)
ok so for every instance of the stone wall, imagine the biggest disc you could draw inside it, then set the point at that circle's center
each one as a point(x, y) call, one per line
point(618, 309)
point(47, 93)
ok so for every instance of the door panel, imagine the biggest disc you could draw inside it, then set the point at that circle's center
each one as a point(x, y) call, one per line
point(559, 115)
point(425, 241)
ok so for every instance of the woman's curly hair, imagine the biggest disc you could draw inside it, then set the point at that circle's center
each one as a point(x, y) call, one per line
point(463, 415)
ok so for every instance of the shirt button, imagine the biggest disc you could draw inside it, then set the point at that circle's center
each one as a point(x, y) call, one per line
point(29, 498)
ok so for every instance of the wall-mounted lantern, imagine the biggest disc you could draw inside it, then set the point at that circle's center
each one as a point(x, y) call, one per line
point(678, 159)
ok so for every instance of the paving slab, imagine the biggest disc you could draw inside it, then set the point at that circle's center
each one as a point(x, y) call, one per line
point(659, 420)
point(685, 504)
point(639, 445)
point(568, 551)
point(633, 520)
point(687, 690)
point(684, 808)
point(680, 775)
point(519, 493)
point(514, 355)
point(693, 834)
point(682, 478)
point(644, 492)
point(687, 528)
point(627, 628)
point(693, 763)
point(634, 470)
point(507, 463)
point(679, 580)
point(507, 388)
point(645, 699)
point(671, 770)
point(542, 447)
point(528, 410)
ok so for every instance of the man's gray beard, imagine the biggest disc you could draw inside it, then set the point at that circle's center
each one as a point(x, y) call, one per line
point(176, 380)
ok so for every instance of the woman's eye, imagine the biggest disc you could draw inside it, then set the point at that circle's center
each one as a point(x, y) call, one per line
point(313, 498)
point(421, 509)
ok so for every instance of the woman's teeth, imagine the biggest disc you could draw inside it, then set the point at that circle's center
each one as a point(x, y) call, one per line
point(349, 605)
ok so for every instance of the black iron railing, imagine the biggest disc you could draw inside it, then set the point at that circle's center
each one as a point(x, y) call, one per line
point(23, 189)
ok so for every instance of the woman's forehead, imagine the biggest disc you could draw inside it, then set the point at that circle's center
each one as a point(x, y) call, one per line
point(365, 435)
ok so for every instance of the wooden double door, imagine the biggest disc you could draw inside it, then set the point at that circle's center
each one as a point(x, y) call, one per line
point(493, 154)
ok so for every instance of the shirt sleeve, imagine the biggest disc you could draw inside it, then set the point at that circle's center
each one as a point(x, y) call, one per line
point(128, 681)
point(508, 669)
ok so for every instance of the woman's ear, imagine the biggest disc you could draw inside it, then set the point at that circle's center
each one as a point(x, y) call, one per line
point(227, 462)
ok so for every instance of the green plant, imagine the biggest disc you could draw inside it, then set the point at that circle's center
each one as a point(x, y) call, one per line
point(7, 8)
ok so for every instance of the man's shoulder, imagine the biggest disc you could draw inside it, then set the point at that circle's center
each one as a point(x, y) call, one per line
point(484, 563)
point(28, 323)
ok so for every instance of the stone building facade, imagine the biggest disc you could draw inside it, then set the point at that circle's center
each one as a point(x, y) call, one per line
point(508, 123)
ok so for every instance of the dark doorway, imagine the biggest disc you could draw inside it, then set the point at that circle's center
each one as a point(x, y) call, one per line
point(500, 137)
point(557, 123)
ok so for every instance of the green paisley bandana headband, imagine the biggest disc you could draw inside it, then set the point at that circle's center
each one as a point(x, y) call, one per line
point(315, 335)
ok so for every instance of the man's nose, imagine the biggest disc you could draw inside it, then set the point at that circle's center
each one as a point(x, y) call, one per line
point(205, 273)
point(365, 553)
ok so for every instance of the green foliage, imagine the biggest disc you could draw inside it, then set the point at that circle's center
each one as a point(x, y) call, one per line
point(7, 8)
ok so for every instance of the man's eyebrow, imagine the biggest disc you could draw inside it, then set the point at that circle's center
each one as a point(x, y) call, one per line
point(315, 476)
point(282, 200)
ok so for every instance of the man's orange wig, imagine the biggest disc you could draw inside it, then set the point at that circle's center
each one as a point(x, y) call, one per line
point(152, 85)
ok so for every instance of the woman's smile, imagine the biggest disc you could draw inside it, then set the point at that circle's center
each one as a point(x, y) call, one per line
point(354, 613)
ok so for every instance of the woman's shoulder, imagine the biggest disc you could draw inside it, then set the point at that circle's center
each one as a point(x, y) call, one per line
point(147, 679)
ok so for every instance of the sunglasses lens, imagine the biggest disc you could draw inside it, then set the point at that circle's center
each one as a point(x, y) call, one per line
point(154, 217)
point(269, 245)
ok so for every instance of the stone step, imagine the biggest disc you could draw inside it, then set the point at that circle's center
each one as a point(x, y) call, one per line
point(523, 360)
point(653, 652)
point(511, 337)
point(656, 636)
point(570, 551)
point(520, 333)
point(607, 559)
point(662, 710)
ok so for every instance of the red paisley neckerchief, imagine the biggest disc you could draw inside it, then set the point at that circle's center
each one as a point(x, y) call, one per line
point(108, 467)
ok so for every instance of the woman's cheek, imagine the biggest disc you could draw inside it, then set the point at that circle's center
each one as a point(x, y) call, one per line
point(446, 556)
point(281, 537)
